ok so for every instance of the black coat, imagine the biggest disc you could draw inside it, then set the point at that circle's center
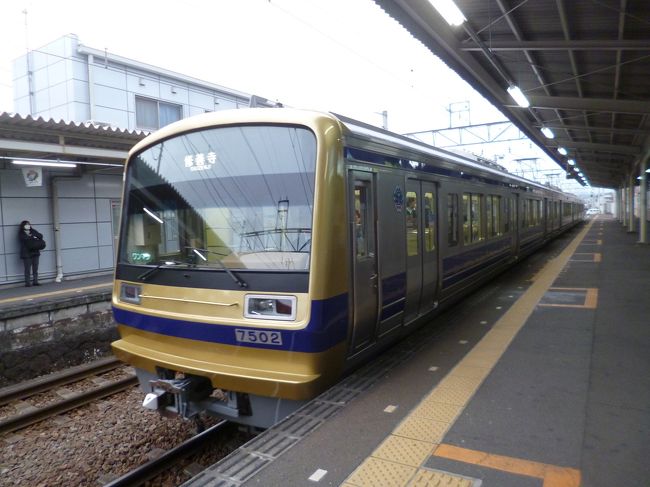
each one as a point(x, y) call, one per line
point(24, 237)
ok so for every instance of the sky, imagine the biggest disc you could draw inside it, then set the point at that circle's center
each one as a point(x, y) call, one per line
point(344, 56)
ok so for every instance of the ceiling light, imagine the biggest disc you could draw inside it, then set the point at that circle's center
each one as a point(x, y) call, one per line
point(562, 151)
point(548, 133)
point(36, 162)
point(518, 95)
point(571, 162)
point(449, 11)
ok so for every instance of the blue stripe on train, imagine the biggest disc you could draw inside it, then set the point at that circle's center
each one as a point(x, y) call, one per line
point(462, 266)
point(327, 327)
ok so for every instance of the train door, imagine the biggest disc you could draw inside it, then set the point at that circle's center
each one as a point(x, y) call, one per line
point(421, 248)
point(365, 299)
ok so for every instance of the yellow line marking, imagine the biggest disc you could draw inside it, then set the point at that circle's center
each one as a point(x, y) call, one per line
point(54, 293)
point(552, 475)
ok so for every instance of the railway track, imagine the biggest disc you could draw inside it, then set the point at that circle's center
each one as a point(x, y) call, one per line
point(33, 414)
point(168, 459)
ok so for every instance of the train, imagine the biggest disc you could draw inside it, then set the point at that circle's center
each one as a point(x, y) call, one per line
point(265, 253)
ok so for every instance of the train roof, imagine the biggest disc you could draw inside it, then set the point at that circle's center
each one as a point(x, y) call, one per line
point(354, 131)
point(448, 159)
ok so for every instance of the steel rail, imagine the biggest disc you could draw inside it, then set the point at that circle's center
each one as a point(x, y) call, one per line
point(67, 376)
point(167, 460)
point(35, 415)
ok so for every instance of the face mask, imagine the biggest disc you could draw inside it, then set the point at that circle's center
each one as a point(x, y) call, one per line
point(28, 227)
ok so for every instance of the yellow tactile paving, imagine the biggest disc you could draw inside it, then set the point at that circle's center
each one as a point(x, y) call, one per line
point(422, 429)
point(433, 478)
point(404, 450)
point(429, 408)
point(471, 371)
point(374, 472)
point(393, 465)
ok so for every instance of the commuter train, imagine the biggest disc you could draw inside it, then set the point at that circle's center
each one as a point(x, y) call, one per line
point(264, 253)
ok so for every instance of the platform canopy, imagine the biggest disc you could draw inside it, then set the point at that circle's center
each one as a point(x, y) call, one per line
point(583, 66)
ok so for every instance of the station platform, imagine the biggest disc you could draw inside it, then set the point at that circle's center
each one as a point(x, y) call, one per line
point(541, 378)
point(21, 300)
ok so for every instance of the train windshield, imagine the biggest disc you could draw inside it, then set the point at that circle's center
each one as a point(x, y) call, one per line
point(237, 197)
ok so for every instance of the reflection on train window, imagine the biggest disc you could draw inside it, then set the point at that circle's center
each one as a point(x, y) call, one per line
point(493, 214)
point(411, 223)
point(429, 223)
point(507, 215)
point(452, 219)
point(472, 217)
point(363, 222)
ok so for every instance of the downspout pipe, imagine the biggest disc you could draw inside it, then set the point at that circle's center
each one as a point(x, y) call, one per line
point(56, 221)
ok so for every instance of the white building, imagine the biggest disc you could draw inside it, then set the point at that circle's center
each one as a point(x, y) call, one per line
point(70, 81)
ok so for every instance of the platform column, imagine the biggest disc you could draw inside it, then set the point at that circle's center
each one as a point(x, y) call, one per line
point(643, 202)
point(630, 203)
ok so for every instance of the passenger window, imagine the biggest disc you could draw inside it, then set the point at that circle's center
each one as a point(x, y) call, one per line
point(493, 213)
point(476, 216)
point(429, 223)
point(363, 243)
point(411, 223)
point(452, 219)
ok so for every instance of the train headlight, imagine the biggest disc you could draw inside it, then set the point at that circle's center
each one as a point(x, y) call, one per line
point(130, 293)
point(263, 307)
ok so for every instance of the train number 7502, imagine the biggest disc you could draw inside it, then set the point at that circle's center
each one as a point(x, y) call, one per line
point(259, 336)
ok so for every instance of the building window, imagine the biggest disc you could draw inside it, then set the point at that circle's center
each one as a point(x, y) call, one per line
point(153, 114)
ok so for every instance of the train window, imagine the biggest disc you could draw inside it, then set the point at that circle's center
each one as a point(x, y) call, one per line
point(452, 219)
point(364, 240)
point(508, 215)
point(524, 213)
point(472, 217)
point(429, 222)
point(477, 216)
point(411, 223)
point(493, 213)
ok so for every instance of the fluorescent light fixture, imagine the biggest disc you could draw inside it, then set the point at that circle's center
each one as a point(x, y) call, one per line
point(647, 170)
point(36, 162)
point(548, 133)
point(571, 162)
point(152, 215)
point(449, 11)
point(518, 95)
point(562, 151)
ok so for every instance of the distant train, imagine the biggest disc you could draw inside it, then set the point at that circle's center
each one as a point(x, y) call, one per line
point(266, 252)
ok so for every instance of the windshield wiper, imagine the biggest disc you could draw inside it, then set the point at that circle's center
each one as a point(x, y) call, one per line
point(165, 263)
point(238, 281)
